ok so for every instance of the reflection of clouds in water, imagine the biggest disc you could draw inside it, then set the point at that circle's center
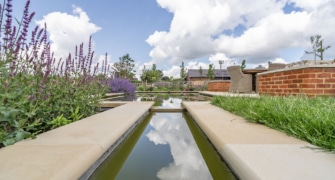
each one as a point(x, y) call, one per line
point(188, 162)
point(172, 103)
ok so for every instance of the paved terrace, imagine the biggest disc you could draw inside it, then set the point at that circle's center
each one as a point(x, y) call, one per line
point(253, 151)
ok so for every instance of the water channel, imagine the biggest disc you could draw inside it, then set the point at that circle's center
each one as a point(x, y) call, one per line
point(165, 146)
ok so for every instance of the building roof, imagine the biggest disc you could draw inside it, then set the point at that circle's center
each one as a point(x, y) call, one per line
point(192, 73)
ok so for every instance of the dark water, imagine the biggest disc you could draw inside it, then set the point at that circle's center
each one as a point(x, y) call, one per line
point(165, 146)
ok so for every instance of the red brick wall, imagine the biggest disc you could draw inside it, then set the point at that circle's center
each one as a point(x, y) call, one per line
point(310, 81)
point(218, 86)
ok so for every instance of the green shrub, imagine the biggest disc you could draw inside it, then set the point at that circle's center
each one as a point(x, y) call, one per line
point(140, 88)
point(150, 88)
point(38, 93)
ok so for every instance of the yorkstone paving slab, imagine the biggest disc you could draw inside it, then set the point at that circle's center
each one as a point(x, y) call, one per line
point(280, 161)
point(31, 162)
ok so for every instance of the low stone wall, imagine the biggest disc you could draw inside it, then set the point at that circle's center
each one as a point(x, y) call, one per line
point(219, 86)
point(311, 80)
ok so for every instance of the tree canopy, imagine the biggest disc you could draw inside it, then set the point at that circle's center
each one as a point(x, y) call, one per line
point(210, 73)
point(200, 71)
point(183, 71)
point(151, 75)
point(243, 65)
point(124, 68)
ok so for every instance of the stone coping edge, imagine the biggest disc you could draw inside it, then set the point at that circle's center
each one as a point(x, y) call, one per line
point(91, 170)
point(296, 68)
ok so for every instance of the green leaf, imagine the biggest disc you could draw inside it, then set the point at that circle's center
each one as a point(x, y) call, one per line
point(9, 141)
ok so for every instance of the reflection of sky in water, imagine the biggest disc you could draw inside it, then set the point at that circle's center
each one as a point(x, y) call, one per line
point(187, 162)
point(172, 103)
point(168, 103)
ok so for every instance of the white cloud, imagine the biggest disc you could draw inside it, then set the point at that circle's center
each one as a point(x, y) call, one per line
point(309, 4)
point(260, 30)
point(187, 160)
point(66, 31)
point(173, 71)
point(267, 37)
point(216, 58)
point(101, 62)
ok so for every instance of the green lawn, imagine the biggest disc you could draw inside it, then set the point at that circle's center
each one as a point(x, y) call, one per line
point(309, 119)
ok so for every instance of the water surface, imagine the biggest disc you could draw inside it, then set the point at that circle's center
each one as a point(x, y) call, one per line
point(163, 147)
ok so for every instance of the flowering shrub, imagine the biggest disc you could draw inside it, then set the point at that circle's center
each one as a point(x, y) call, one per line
point(122, 85)
point(38, 92)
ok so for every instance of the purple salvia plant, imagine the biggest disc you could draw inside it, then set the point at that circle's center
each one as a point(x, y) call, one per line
point(104, 70)
point(26, 19)
point(90, 64)
point(11, 39)
point(81, 55)
point(89, 48)
point(76, 59)
point(8, 24)
point(122, 85)
point(96, 69)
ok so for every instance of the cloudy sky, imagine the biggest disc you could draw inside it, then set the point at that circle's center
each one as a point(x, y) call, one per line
point(198, 32)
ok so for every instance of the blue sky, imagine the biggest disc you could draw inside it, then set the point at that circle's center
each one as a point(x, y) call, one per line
point(198, 32)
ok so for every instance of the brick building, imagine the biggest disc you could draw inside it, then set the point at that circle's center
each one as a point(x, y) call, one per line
point(194, 77)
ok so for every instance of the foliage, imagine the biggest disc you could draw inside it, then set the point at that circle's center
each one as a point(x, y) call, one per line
point(200, 71)
point(183, 71)
point(190, 88)
point(59, 121)
point(165, 78)
point(140, 88)
point(152, 75)
point(243, 65)
point(122, 85)
point(150, 88)
point(38, 92)
point(166, 86)
point(210, 72)
point(317, 46)
point(310, 119)
point(162, 84)
point(124, 68)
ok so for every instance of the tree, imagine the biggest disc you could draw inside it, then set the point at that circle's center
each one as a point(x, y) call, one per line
point(165, 78)
point(200, 71)
point(317, 46)
point(144, 74)
point(183, 71)
point(124, 68)
point(321, 50)
point(243, 64)
point(151, 75)
point(210, 73)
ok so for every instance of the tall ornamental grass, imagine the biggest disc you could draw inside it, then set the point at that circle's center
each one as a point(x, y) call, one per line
point(38, 92)
point(309, 119)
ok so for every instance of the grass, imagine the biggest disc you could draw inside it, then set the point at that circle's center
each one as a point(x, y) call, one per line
point(309, 119)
